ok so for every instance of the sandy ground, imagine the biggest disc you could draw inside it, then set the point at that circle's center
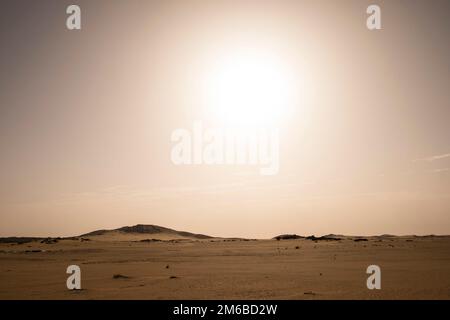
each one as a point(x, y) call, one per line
point(412, 268)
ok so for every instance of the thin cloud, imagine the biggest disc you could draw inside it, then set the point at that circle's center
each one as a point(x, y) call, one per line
point(433, 158)
point(441, 170)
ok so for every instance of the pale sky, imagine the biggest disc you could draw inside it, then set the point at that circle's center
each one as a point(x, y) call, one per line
point(86, 117)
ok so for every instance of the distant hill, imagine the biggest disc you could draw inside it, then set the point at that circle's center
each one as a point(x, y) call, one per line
point(142, 232)
point(150, 233)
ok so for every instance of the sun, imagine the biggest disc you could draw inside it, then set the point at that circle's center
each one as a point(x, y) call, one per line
point(250, 88)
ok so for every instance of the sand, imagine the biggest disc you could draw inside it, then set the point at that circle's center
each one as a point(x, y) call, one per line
point(122, 267)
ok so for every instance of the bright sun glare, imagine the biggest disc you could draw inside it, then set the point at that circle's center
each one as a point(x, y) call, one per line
point(249, 88)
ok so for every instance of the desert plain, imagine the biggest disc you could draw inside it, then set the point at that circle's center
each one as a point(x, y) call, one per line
point(120, 264)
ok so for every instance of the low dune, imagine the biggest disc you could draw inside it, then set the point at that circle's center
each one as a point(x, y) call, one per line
point(142, 232)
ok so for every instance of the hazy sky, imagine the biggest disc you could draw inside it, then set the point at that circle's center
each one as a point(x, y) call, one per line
point(86, 117)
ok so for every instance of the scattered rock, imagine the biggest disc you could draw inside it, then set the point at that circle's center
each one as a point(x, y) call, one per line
point(173, 277)
point(309, 292)
point(19, 240)
point(288, 237)
point(150, 240)
point(323, 238)
point(49, 241)
point(120, 276)
point(33, 251)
